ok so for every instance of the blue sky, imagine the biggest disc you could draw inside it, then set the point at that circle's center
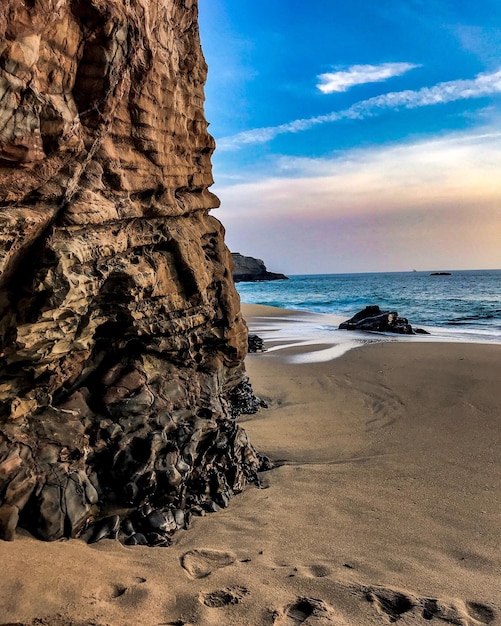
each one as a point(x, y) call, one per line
point(355, 135)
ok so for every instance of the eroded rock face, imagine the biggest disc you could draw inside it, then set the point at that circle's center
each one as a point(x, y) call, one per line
point(122, 342)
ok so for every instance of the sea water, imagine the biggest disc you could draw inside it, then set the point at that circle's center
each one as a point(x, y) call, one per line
point(462, 306)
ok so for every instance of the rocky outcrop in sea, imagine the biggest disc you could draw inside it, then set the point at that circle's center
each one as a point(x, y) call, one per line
point(249, 269)
point(122, 341)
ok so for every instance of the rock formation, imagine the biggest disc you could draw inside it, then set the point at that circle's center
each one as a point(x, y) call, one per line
point(249, 269)
point(256, 344)
point(372, 318)
point(122, 342)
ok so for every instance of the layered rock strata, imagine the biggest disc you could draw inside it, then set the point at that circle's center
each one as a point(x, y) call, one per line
point(122, 342)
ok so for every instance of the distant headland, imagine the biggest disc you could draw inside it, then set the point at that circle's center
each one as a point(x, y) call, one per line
point(248, 269)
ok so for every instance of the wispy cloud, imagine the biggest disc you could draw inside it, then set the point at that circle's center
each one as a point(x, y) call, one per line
point(359, 75)
point(457, 165)
point(415, 164)
point(435, 202)
point(441, 93)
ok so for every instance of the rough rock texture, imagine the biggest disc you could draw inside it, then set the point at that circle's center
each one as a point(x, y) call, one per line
point(248, 269)
point(122, 342)
point(372, 318)
point(256, 344)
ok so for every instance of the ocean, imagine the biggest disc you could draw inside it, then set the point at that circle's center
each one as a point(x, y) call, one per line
point(463, 306)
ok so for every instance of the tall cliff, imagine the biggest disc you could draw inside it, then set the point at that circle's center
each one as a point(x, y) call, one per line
point(122, 342)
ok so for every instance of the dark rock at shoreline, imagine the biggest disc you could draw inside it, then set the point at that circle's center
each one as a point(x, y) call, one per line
point(244, 401)
point(256, 344)
point(249, 269)
point(373, 319)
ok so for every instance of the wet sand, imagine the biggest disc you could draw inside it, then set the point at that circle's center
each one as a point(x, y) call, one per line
point(384, 507)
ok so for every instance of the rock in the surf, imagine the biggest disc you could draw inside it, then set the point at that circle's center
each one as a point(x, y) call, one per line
point(373, 319)
point(255, 343)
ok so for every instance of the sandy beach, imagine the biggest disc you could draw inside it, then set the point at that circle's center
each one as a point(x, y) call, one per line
point(384, 507)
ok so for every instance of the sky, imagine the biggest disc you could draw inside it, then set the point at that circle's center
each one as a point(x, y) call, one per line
point(357, 135)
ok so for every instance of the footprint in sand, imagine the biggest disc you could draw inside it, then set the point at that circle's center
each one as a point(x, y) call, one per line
point(389, 602)
point(395, 604)
point(118, 590)
point(201, 563)
point(224, 597)
point(458, 612)
point(309, 612)
point(318, 571)
point(132, 594)
point(481, 612)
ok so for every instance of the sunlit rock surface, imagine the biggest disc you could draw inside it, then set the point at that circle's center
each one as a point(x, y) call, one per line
point(122, 342)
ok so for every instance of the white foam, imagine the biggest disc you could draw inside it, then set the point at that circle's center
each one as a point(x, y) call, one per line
point(319, 329)
point(328, 354)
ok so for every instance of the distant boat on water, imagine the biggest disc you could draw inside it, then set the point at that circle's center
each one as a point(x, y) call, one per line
point(441, 274)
